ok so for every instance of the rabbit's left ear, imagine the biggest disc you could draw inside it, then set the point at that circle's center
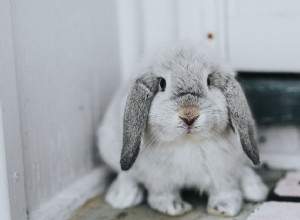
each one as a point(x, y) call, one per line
point(239, 113)
point(135, 117)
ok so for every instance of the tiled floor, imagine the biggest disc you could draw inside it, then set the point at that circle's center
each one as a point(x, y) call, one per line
point(277, 211)
point(98, 209)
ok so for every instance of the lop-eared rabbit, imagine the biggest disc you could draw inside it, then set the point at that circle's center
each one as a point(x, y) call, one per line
point(182, 122)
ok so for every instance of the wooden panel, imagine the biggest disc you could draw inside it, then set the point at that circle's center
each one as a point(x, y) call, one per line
point(10, 138)
point(67, 64)
point(4, 195)
point(191, 19)
point(202, 20)
point(146, 24)
point(159, 23)
point(264, 35)
point(130, 27)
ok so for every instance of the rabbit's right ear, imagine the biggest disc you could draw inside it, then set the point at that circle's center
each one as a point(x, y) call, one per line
point(135, 117)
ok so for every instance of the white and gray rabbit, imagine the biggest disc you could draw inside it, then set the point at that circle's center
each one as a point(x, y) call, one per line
point(183, 122)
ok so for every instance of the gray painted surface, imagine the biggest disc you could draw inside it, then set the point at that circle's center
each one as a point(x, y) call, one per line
point(67, 61)
point(10, 121)
point(4, 195)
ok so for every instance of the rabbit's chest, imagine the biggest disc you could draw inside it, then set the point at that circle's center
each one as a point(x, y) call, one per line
point(185, 163)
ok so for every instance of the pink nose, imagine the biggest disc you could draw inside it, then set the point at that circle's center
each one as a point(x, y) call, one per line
point(189, 121)
point(189, 115)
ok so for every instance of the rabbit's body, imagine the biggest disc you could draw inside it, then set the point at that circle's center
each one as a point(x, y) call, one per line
point(207, 156)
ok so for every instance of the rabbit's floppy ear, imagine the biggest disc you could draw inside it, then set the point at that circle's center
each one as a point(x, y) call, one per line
point(239, 113)
point(135, 117)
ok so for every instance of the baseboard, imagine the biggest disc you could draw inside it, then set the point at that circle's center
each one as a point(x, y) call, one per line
point(282, 161)
point(280, 146)
point(65, 203)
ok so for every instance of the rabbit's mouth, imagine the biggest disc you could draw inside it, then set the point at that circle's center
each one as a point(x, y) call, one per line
point(189, 129)
point(193, 130)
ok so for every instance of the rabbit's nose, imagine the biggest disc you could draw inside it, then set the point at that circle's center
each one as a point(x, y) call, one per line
point(189, 115)
point(188, 121)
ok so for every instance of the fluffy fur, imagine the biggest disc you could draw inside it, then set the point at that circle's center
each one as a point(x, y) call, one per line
point(160, 154)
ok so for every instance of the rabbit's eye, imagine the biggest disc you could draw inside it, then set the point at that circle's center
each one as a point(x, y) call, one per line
point(208, 81)
point(162, 84)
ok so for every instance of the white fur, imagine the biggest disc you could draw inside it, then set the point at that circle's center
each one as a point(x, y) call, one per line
point(124, 192)
point(210, 159)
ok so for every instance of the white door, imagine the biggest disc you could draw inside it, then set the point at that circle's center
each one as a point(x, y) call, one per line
point(264, 35)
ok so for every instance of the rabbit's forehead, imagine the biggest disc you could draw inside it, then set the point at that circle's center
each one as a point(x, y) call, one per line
point(186, 71)
point(185, 79)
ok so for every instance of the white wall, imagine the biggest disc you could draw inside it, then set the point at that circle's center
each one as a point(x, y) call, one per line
point(12, 164)
point(144, 24)
point(264, 35)
point(258, 35)
point(4, 195)
point(66, 61)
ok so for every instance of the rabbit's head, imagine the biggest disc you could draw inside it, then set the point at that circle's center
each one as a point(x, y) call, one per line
point(185, 93)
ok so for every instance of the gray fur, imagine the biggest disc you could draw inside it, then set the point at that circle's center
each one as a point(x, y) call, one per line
point(135, 117)
point(239, 113)
point(189, 69)
point(207, 155)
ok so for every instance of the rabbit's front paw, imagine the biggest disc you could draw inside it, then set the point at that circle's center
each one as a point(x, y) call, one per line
point(226, 206)
point(256, 192)
point(124, 193)
point(169, 205)
point(253, 187)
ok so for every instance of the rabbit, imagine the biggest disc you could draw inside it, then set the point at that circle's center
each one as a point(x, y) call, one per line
point(182, 122)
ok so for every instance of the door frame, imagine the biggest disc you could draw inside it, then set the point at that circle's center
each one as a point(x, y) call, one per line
point(10, 136)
